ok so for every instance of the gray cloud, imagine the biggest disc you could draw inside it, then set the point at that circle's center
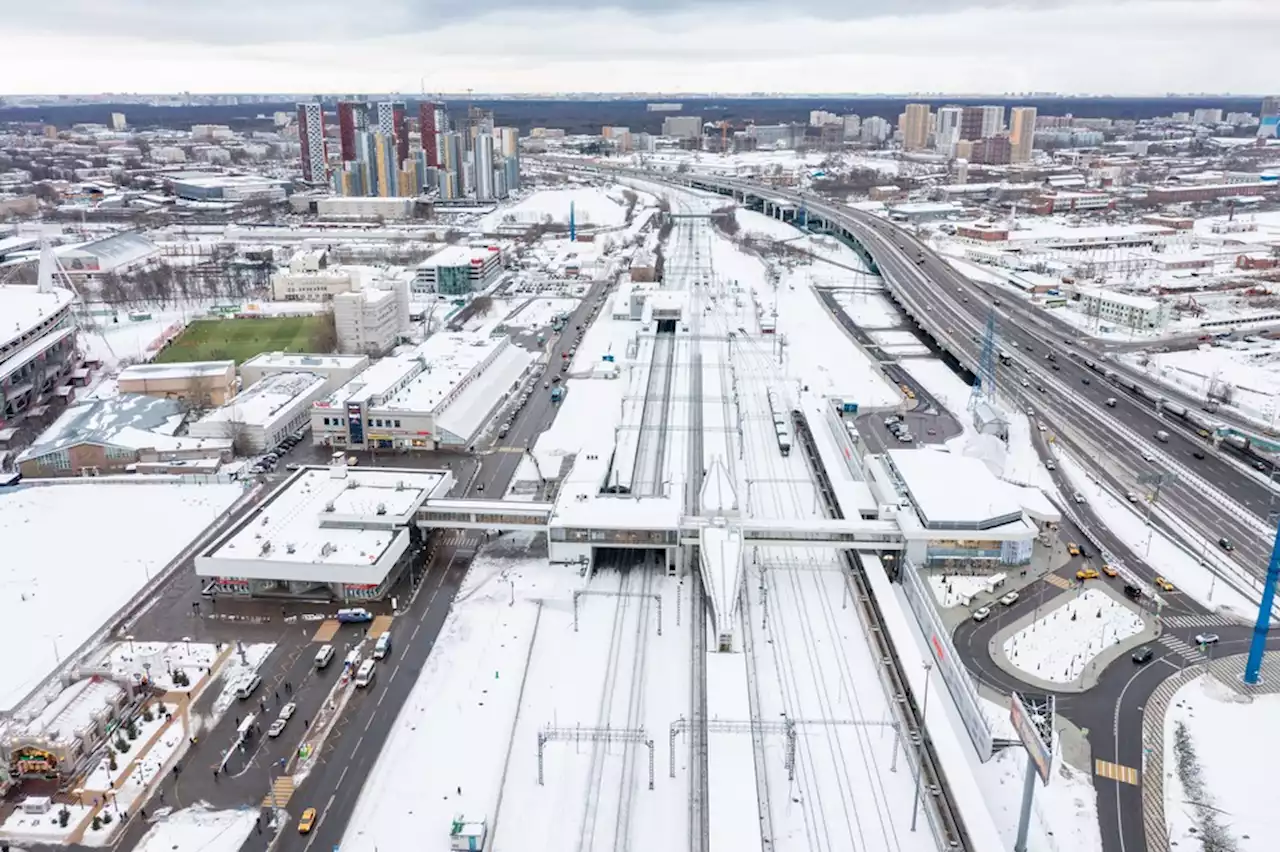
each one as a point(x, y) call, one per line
point(231, 22)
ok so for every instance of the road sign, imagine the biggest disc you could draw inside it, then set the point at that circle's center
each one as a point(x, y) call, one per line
point(1032, 726)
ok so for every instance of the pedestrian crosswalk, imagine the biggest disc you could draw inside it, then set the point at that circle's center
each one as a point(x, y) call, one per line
point(281, 792)
point(1178, 646)
point(459, 538)
point(1199, 621)
point(1055, 580)
point(1116, 772)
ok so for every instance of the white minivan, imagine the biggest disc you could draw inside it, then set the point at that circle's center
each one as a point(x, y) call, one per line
point(383, 646)
point(324, 656)
point(364, 676)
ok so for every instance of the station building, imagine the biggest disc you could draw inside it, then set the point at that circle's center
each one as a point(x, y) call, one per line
point(338, 532)
point(39, 349)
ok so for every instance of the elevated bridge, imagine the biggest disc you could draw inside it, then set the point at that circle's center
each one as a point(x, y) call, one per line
point(484, 515)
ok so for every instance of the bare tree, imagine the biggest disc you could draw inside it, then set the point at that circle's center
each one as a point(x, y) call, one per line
point(235, 429)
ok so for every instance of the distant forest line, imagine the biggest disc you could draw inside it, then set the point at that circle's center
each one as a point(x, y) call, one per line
point(589, 116)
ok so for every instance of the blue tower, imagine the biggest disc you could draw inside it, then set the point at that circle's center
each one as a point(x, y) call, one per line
point(573, 228)
point(1253, 667)
point(984, 382)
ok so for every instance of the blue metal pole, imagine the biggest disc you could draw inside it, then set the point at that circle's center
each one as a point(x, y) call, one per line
point(1259, 644)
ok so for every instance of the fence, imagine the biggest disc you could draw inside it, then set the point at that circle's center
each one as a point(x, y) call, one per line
point(958, 682)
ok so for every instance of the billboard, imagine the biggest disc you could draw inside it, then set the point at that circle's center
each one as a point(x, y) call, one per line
point(1029, 728)
point(355, 423)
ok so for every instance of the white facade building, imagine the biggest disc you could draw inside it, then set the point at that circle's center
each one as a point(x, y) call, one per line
point(484, 167)
point(457, 270)
point(309, 278)
point(1122, 309)
point(369, 321)
point(262, 416)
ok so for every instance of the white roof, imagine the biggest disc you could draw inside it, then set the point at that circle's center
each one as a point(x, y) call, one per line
point(22, 307)
point(299, 361)
point(954, 490)
point(73, 711)
point(449, 358)
point(295, 525)
point(262, 402)
point(458, 256)
point(183, 370)
point(468, 410)
point(376, 381)
point(1145, 303)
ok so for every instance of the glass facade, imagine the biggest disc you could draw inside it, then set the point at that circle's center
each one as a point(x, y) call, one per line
point(453, 280)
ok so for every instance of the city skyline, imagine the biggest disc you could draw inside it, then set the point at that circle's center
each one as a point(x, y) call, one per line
point(867, 46)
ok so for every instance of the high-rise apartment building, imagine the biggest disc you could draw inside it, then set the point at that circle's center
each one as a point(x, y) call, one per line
point(1022, 133)
point(970, 123)
point(483, 162)
point(1269, 118)
point(431, 123)
point(949, 128)
point(353, 119)
point(993, 151)
point(311, 138)
point(1207, 116)
point(118, 123)
point(874, 130)
point(393, 124)
point(992, 121)
point(914, 126)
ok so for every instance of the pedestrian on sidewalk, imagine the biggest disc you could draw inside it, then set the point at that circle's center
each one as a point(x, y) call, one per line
point(459, 791)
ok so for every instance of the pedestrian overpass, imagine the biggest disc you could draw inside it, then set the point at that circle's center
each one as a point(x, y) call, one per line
point(484, 515)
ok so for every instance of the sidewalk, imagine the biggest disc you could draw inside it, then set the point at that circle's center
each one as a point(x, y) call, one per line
point(1153, 822)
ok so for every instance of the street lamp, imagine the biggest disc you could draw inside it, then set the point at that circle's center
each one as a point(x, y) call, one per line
point(924, 713)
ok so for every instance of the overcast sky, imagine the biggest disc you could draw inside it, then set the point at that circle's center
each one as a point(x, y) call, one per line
point(991, 46)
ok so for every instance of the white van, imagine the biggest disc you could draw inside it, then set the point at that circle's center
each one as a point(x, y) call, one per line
point(364, 677)
point(383, 647)
point(247, 688)
point(324, 656)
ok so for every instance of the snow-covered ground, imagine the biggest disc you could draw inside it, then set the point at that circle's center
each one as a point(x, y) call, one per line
point(1236, 742)
point(158, 661)
point(942, 384)
point(502, 672)
point(1177, 565)
point(539, 312)
point(103, 777)
point(869, 310)
point(954, 589)
point(114, 548)
point(592, 207)
point(198, 829)
point(239, 668)
point(1060, 644)
point(117, 339)
point(42, 828)
point(1064, 815)
point(1252, 370)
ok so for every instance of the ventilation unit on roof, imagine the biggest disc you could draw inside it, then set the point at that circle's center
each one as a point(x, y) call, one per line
point(327, 549)
point(400, 486)
point(328, 507)
point(265, 519)
point(351, 483)
point(290, 548)
point(266, 548)
point(382, 509)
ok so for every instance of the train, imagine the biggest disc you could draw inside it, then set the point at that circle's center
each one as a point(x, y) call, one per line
point(781, 429)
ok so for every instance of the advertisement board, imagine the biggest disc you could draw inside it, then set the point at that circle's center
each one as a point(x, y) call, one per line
point(355, 423)
point(1029, 732)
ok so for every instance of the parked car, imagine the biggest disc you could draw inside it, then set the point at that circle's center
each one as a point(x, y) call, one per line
point(1010, 599)
point(1143, 655)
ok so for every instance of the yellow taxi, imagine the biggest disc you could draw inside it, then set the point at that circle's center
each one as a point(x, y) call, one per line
point(1164, 584)
point(1110, 571)
point(1073, 548)
point(307, 820)
point(1086, 574)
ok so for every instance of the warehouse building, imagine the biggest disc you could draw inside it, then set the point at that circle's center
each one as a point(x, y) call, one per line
point(265, 414)
point(201, 384)
point(337, 370)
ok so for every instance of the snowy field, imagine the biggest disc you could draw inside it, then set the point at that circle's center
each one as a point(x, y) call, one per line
point(594, 207)
point(943, 384)
point(198, 829)
point(1180, 567)
point(1251, 369)
point(114, 547)
point(502, 672)
point(1225, 778)
point(954, 589)
point(1064, 815)
point(158, 661)
point(1058, 646)
point(238, 668)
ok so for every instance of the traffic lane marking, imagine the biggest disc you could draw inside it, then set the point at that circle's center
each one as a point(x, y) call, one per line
point(1116, 772)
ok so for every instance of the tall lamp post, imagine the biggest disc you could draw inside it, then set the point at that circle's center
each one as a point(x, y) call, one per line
point(924, 713)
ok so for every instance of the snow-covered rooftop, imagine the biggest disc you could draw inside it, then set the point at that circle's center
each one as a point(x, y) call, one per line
point(178, 370)
point(23, 306)
point(73, 711)
point(467, 411)
point(337, 519)
point(261, 403)
point(449, 358)
point(954, 491)
point(300, 361)
point(131, 420)
point(458, 256)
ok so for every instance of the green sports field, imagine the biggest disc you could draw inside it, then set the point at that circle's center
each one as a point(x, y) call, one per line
point(241, 339)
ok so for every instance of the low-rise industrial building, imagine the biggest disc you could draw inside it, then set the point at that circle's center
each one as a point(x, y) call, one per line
point(437, 395)
point(343, 532)
point(264, 414)
point(337, 370)
point(112, 435)
point(458, 270)
point(200, 384)
point(116, 254)
point(217, 187)
point(1124, 310)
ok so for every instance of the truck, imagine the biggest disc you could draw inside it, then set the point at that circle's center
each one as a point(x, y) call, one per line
point(557, 393)
point(1162, 436)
